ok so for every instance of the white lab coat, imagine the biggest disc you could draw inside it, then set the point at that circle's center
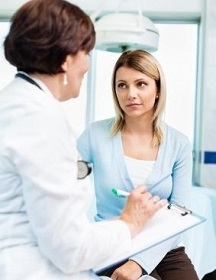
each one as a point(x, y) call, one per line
point(44, 231)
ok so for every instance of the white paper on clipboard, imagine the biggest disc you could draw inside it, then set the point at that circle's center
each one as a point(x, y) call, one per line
point(166, 223)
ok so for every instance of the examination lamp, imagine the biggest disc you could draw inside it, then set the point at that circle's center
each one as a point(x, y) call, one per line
point(118, 31)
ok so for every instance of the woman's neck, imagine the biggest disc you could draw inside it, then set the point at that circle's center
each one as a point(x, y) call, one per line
point(135, 126)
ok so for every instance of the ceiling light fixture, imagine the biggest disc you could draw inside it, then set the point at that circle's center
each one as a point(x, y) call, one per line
point(118, 32)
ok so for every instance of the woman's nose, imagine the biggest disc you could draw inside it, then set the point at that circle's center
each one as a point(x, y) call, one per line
point(131, 93)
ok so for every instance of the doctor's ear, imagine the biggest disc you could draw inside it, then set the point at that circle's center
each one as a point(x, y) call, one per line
point(69, 60)
point(64, 65)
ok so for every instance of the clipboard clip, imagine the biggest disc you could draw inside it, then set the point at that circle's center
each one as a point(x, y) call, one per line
point(182, 209)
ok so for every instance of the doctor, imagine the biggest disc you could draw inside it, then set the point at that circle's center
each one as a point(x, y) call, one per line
point(45, 233)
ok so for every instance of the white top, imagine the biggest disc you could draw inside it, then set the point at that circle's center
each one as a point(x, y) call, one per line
point(138, 170)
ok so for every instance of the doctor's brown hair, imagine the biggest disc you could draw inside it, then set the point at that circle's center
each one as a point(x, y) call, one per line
point(44, 32)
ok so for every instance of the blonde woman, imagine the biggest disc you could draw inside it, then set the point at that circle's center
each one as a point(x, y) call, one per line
point(138, 148)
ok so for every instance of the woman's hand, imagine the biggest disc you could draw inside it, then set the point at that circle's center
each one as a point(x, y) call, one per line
point(128, 271)
point(140, 208)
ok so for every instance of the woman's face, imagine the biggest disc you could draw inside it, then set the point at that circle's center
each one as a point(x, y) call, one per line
point(136, 92)
point(77, 66)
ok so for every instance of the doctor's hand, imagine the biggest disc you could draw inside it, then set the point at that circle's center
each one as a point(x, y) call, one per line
point(140, 208)
point(128, 271)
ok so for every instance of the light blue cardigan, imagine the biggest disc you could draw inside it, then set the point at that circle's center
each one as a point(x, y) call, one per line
point(170, 177)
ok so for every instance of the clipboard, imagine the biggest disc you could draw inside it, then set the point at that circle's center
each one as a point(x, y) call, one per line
point(168, 222)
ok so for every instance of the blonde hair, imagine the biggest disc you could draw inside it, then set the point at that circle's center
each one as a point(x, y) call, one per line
point(146, 63)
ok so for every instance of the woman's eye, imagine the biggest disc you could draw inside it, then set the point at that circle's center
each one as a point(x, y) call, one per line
point(121, 85)
point(141, 84)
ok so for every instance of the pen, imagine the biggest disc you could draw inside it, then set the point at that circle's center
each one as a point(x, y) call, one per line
point(120, 193)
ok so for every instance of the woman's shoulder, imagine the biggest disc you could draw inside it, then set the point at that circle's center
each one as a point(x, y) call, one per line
point(101, 125)
point(97, 133)
point(175, 134)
